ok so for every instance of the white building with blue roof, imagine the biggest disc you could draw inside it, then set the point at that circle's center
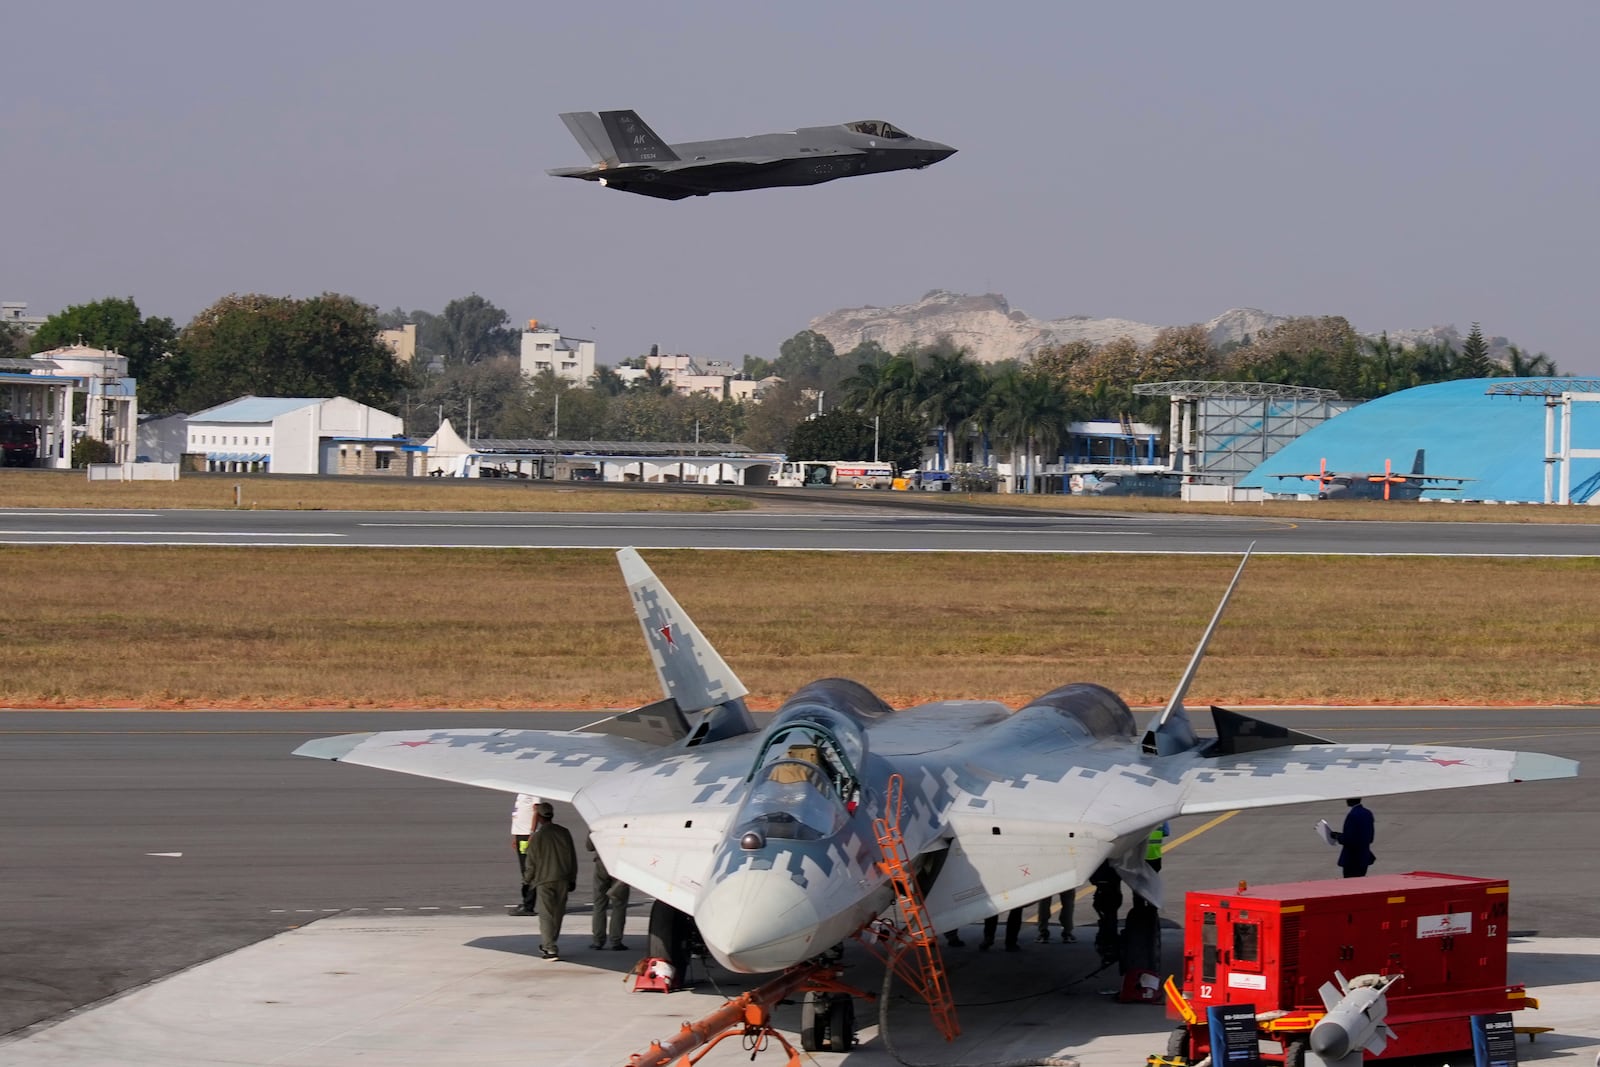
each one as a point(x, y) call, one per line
point(299, 435)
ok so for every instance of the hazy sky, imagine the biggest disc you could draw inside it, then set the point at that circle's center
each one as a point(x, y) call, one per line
point(1403, 164)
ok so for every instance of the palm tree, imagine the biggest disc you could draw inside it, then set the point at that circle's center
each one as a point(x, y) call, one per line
point(881, 388)
point(1379, 369)
point(1521, 365)
point(950, 390)
point(654, 381)
point(1029, 408)
point(607, 382)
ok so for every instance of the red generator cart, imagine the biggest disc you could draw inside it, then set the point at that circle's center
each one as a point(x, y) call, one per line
point(1273, 947)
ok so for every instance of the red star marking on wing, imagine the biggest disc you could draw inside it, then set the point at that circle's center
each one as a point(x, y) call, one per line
point(666, 632)
point(1026, 871)
point(1447, 762)
point(413, 744)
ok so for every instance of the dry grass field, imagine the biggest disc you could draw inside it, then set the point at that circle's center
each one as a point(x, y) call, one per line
point(309, 627)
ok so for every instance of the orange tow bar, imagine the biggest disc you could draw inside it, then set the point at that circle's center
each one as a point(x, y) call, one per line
point(748, 1015)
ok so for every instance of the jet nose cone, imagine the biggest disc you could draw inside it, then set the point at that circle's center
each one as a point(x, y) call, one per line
point(758, 921)
point(939, 151)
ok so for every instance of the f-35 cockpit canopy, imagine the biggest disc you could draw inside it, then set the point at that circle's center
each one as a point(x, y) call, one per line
point(877, 128)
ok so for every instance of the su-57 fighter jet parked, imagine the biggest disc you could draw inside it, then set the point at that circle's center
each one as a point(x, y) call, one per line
point(764, 835)
point(628, 155)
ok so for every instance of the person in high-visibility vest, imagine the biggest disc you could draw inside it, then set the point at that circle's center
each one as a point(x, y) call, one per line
point(1152, 846)
point(521, 827)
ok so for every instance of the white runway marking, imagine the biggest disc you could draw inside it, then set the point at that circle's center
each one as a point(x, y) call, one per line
point(933, 531)
point(165, 855)
point(164, 533)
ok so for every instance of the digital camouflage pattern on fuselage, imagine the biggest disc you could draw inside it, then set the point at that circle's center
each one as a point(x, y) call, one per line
point(764, 835)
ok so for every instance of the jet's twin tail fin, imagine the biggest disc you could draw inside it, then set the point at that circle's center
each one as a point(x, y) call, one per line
point(632, 141)
point(587, 129)
point(691, 672)
point(614, 137)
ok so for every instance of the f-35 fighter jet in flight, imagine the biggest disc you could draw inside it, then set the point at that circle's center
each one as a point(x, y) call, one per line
point(628, 155)
point(764, 835)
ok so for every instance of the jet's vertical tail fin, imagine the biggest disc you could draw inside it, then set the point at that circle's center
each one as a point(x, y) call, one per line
point(632, 141)
point(690, 670)
point(587, 129)
point(1416, 465)
point(1171, 731)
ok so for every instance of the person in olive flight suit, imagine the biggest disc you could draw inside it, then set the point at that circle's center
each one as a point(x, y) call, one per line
point(551, 868)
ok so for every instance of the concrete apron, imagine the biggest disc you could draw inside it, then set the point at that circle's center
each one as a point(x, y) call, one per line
point(417, 992)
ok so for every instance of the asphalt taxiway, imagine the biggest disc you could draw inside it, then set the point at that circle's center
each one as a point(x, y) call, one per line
point(140, 844)
point(843, 529)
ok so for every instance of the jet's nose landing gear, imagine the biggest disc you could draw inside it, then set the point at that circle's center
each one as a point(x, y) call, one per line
point(827, 1022)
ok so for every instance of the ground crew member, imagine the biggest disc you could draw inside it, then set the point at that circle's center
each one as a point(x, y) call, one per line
point(1107, 903)
point(1360, 829)
point(1153, 846)
point(1043, 935)
point(521, 827)
point(1013, 928)
point(610, 905)
point(551, 868)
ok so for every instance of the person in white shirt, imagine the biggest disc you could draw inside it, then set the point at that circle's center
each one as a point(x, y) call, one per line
point(521, 827)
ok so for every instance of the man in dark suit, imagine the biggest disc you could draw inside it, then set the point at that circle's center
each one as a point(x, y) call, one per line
point(1355, 855)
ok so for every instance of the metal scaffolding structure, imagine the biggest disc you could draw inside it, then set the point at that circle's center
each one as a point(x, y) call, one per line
point(1559, 396)
point(1221, 431)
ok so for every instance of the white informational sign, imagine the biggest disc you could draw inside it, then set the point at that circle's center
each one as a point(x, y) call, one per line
point(1247, 981)
point(1447, 925)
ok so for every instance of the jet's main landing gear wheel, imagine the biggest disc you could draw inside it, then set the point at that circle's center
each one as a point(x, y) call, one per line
point(827, 1022)
point(841, 1024)
point(671, 938)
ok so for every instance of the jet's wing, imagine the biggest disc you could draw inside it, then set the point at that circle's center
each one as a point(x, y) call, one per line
point(1425, 478)
point(1303, 773)
point(547, 763)
point(655, 814)
point(1034, 810)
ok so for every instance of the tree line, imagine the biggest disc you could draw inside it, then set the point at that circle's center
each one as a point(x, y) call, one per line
point(822, 405)
point(1025, 408)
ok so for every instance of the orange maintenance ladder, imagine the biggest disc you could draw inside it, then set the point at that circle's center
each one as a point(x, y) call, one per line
point(924, 971)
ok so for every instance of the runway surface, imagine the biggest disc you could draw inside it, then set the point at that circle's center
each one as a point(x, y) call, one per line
point(135, 844)
point(908, 529)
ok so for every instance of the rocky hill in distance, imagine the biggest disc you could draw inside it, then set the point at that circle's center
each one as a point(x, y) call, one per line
point(991, 330)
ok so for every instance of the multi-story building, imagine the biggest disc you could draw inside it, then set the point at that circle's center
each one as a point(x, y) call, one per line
point(15, 312)
point(402, 341)
point(571, 358)
point(690, 376)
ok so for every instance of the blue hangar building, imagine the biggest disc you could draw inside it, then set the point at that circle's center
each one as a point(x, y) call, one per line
point(1496, 440)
